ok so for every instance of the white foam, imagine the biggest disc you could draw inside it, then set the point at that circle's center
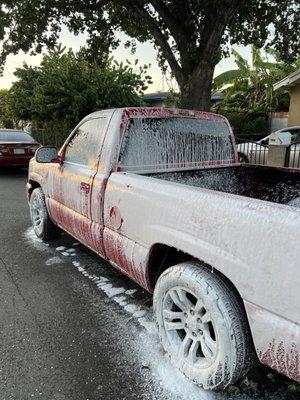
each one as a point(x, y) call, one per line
point(76, 264)
point(71, 250)
point(53, 260)
point(35, 241)
point(130, 292)
point(140, 313)
point(114, 291)
point(122, 300)
point(131, 308)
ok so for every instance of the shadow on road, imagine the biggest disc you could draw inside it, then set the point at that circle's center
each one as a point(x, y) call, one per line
point(14, 171)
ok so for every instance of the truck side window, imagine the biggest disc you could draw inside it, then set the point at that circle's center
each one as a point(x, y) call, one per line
point(85, 145)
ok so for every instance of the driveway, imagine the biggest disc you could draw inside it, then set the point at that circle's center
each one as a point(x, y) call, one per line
point(72, 327)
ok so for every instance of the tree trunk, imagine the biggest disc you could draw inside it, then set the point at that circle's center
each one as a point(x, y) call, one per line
point(196, 91)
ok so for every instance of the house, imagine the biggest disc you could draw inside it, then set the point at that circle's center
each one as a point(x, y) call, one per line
point(292, 83)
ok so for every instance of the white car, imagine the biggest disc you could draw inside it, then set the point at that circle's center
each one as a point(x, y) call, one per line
point(257, 152)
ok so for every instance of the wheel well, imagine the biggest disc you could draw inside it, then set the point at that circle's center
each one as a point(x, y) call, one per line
point(162, 257)
point(34, 185)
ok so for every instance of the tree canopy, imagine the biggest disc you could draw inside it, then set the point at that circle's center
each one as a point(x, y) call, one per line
point(190, 36)
point(66, 87)
point(5, 113)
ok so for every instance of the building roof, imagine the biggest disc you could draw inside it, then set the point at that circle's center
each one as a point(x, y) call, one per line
point(161, 96)
point(288, 81)
point(158, 96)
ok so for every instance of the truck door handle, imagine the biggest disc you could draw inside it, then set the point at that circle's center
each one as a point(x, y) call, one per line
point(85, 187)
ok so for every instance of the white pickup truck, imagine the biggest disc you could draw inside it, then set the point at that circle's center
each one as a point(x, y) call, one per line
point(161, 195)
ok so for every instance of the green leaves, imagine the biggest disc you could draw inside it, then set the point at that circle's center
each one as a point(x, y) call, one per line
point(66, 88)
point(251, 87)
point(186, 34)
point(226, 78)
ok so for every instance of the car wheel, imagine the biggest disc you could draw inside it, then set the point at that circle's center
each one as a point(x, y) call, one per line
point(42, 224)
point(243, 158)
point(202, 325)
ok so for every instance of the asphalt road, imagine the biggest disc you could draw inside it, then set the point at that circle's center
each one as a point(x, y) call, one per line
point(71, 327)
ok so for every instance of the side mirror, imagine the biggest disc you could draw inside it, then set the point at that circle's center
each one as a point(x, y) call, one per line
point(46, 154)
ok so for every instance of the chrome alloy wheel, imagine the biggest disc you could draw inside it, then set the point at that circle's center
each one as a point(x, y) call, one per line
point(189, 328)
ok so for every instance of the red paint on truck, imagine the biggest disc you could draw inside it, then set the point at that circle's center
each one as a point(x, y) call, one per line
point(122, 216)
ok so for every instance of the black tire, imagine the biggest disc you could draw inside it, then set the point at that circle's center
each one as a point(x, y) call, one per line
point(42, 224)
point(243, 158)
point(226, 351)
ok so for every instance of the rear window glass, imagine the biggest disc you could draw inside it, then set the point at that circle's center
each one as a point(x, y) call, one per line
point(15, 136)
point(175, 143)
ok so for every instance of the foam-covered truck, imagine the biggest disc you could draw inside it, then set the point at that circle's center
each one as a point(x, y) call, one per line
point(160, 194)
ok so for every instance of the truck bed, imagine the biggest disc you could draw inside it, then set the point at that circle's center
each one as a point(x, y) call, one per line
point(259, 182)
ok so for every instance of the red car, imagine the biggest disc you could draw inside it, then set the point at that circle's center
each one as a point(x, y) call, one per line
point(16, 148)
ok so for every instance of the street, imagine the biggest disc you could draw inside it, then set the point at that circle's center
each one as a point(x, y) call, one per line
point(73, 328)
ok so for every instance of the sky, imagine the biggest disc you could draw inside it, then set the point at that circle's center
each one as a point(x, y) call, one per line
point(145, 54)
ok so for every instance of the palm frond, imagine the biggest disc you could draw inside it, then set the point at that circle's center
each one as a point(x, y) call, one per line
point(227, 77)
point(240, 61)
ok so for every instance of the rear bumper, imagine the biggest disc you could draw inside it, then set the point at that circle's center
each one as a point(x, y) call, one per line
point(18, 161)
point(276, 340)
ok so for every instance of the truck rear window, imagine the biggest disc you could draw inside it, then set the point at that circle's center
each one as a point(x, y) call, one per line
point(155, 143)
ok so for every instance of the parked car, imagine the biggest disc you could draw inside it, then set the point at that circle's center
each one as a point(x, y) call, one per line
point(160, 194)
point(257, 152)
point(16, 148)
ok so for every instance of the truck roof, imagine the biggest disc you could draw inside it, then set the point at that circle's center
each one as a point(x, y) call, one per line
point(159, 112)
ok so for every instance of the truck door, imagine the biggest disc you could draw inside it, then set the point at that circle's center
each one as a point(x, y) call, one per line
point(72, 183)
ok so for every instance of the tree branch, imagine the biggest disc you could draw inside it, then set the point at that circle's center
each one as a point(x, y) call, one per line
point(214, 26)
point(174, 25)
point(159, 37)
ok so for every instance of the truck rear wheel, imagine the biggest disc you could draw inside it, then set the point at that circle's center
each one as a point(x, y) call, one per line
point(202, 325)
point(42, 224)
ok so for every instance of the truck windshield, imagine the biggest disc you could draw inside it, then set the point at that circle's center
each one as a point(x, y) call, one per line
point(156, 143)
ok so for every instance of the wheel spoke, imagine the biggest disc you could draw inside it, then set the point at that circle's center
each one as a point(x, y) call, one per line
point(174, 326)
point(208, 346)
point(198, 305)
point(184, 347)
point(193, 351)
point(170, 315)
point(206, 317)
point(179, 298)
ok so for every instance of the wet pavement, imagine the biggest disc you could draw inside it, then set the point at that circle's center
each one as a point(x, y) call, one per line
point(72, 327)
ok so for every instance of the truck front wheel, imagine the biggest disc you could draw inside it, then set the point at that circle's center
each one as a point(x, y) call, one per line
point(202, 325)
point(42, 224)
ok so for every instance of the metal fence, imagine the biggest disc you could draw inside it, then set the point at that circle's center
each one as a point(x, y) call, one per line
point(294, 156)
point(257, 153)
